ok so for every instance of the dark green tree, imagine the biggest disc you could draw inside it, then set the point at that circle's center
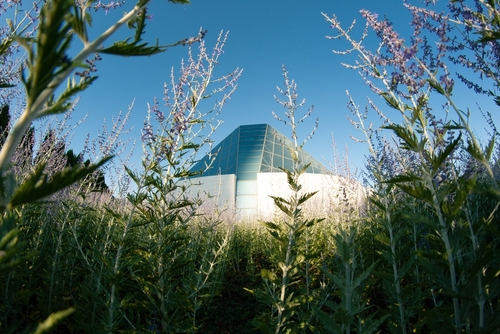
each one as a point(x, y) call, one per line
point(4, 123)
point(96, 180)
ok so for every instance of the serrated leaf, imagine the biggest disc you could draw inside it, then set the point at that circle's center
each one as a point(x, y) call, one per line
point(490, 148)
point(62, 105)
point(6, 85)
point(77, 23)
point(38, 185)
point(405, 178)
point(437, 87)
point(370, 325)
point(304, 168)
point(271, 226)
point(52, 320)
point(360, 278)
point(377, 203)
point(328, 321)
point(417, 191)
point(438, 161)
point(391, 101)
point(134, 48)
point(292, 184)
point(475, 152)
point(268, 275)
point(123, 48)
point(52, 42)
point(410, 140)
point(383, 239)
point(305, 197)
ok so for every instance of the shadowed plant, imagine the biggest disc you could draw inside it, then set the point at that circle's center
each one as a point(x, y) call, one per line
point(433, 169)
point(48, 64)
point(283, 290)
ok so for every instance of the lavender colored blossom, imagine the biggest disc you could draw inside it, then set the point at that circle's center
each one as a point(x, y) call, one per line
point(167, 133)
point(401, 65)
point(478, 56)
point(106, 6)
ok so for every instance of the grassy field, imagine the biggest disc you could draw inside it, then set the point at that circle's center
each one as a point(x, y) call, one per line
point(419, 255)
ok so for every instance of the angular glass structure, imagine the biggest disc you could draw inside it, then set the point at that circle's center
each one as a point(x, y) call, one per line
point(252, 149)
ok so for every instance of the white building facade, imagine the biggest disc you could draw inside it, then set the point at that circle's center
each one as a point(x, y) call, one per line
point(245, 171)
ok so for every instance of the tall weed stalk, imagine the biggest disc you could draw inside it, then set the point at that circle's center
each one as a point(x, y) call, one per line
point(439, 174)
point(287, 233)
point(48, 64)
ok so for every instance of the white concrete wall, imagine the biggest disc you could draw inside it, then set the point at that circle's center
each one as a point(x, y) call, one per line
point(250, 199)
point(329, 197)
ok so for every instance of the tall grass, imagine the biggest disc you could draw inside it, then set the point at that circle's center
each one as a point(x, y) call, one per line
point(419, 255)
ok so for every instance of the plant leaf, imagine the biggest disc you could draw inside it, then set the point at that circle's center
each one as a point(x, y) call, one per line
point(39, 185)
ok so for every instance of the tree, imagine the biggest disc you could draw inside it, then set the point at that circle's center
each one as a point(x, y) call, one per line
point(4, 123)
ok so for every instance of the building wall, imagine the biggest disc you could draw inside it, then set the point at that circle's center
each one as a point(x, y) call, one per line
point(250, 199)
point(216, 192)
point(333, 192)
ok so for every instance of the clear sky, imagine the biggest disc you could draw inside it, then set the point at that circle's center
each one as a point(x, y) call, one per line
point(263, 36)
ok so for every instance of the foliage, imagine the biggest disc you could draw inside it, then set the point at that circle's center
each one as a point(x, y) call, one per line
point(422, 258)
point(46, 67)
point(283, 291)
point(437, 165)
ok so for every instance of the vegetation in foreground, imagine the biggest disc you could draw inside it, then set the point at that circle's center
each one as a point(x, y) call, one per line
point(422, 256)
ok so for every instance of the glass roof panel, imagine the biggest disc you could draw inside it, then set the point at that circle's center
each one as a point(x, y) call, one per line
point(250, 149)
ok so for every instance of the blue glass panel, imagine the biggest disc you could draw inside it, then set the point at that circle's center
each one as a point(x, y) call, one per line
point(287, 153)
point(223, 164)
point(231, 165)
point(251, 147)
point(258, 144)
point(224, 154)
point(278, 149)
point(288, 164)
point(267, 159)
point(247, 176)
point(268, 146)
point(248, 168)
point(251, 138)
point(253, 127)
point(254, 160)
point(249, 154)
point(277, 161)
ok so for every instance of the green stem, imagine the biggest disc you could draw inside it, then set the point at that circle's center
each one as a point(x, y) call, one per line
point(34, 109)
point(348, 294)
point(285, 278)
point(443, 230)
point(397, 279)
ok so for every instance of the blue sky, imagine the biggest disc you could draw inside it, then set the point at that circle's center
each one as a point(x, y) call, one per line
point(263, 36)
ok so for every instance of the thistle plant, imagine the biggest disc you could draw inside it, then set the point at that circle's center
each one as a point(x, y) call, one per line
point(284, 303)
point(405, 75)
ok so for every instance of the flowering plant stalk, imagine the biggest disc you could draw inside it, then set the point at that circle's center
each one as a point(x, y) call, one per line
point(287, 233)
point(160, 207)
point(48, 64)
point(381, 165)
point(408, 73)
